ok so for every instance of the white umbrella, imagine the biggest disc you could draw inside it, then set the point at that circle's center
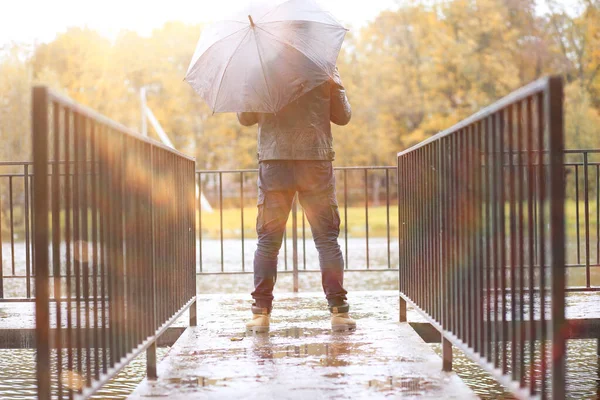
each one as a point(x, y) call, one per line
point(263, 58)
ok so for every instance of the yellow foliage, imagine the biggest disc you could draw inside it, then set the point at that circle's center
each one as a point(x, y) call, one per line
point(409, 74)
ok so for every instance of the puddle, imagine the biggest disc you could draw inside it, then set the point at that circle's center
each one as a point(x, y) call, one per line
point(405, 385)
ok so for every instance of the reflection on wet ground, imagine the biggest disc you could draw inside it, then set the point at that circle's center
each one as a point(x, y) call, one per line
point(301, 358)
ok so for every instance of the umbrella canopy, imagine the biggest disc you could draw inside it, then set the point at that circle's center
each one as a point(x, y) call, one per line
point(266, 56)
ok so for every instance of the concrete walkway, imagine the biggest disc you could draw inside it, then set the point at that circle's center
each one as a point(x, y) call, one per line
point(301, 358)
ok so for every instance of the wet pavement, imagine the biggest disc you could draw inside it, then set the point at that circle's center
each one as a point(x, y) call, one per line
point(300, 357)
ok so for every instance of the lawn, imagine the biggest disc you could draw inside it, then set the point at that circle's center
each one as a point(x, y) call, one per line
point(356, 222)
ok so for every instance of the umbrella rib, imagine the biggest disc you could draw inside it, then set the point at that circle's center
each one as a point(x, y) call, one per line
point(225, 70)
point(262, 67)
point(289, 45)
point(191, 70)
point(306, 20)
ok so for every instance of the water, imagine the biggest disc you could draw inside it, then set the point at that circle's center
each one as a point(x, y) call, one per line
point(17, 367)
point(17, 376)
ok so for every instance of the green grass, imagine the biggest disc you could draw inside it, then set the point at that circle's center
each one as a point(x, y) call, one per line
point(232, 224)
point(355, 218)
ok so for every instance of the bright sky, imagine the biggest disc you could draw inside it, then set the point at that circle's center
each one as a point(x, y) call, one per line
point(41, 20)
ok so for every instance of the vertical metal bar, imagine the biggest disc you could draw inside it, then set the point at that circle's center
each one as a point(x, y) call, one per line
point(415, 276)
point(200, 220)
point(531, 245)
point(437, 234)
point(242, 218)
point(160, 226)
point(194, 313)
point(285, 252)
point(68, 242)
point(387, 209)
point(151, 362)
point(193, 246)
point(123, 298)
point(471, 319)
point(494, 197)
point(428, 230)
point(221, 219)
point(152, 302)
point(454, 267)
point(512, 240)
point(295, 241)
point(346, 217)
point(32, 228)
point(27, 232)
point(40, 215)
point(439, 248)
point(520, 349)
point(502, 241)
point(433, 230)
point(103, 226)
point(423, 232)
point(95, 246)
point(577, 222)
point(554, 115)
point(480, 264)
point(443, 215)
point(463, 269)
point(12, 223)
point(367, 215)
point(55, 215)
point(487, 246)
point(401, 248)
point(84, 187)
point(77, 217)
point(586, 193)
point(134, 232)
point(541, 238)
point(402, 306)
point(303, 237)
point(446, 355)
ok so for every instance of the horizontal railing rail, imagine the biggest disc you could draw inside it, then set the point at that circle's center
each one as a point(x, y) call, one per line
point(113, 245)
point(366, 196)
point(482, 238)
point(583, 227)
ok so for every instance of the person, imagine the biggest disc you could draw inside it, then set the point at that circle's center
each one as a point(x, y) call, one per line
point(295, 154)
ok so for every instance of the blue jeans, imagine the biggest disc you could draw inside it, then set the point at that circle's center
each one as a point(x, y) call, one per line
point(278, 182)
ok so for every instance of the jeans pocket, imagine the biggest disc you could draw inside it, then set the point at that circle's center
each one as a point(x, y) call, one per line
point(271, 214)
point(335, 217)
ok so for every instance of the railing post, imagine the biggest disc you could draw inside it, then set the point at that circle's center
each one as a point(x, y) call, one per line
point(193, 314)
point(555, 124)
point(40, 216)
point(587, 219)
point(151, 361)
point(446, 355)
point(403, 317)
point(295, 242)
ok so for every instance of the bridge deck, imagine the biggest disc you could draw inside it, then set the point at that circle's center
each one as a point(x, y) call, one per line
point(301, 357)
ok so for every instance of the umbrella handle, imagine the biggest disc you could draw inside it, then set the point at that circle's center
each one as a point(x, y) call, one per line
point(251, 21)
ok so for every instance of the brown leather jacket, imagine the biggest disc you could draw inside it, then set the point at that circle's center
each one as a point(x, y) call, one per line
point(302, 129)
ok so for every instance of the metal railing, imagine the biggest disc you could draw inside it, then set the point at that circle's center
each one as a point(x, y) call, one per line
point(368, 248)
point(114, 222)
point(361, 192)
point(366, 197)
point(582, 209)
point(16, 224)
point(482, 238)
